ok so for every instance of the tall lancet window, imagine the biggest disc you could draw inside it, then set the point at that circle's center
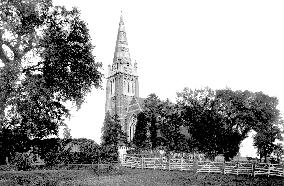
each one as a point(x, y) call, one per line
point(113, 84)
point(111, 87)
point(128, 88)
point(132, 127)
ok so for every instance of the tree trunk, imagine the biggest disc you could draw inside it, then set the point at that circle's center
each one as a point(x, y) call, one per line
point(7, 160)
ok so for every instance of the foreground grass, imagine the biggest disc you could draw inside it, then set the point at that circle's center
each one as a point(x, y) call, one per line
point(43, 177)
point(125, 176)
point(165, 178)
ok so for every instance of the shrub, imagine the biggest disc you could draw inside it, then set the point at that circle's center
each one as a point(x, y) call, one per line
point(52, 158)
point(23, 161)
point(8, 167)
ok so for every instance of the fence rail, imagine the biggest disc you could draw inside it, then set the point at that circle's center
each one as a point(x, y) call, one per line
point(236, 168)
point(209, 167)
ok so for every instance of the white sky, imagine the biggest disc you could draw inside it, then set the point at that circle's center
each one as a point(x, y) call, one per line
point(237, 44)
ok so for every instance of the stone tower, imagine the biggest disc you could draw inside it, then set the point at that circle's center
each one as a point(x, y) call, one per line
point(122, 80)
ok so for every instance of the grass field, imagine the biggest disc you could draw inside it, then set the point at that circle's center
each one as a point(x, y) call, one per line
point(125, 176)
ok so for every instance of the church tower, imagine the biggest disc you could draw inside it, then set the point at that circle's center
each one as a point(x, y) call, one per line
point(122, 80)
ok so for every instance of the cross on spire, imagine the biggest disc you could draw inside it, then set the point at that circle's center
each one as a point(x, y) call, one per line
point(121, 53)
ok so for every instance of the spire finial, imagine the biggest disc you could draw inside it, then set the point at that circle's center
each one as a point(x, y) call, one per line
point(121, 17)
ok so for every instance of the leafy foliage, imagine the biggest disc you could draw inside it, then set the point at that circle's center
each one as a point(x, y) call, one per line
point(152, 108)
point(67, 133)
point(278, 151)
point(48, 60)
point(48, 149)
point(112, 137)
point(170, 128)
point(23, 161)
point(141, 138)
point(264, 141)
point(81, 151)
point(66, 151)
point(228, 117)
point(220, 121)
point(211, 122)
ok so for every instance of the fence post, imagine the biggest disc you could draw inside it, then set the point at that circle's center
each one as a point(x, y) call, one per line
point(195, 165)
point(252, 168)
point(238, 165)
point(169, 163)
point(268, 173)
point(283, 169)
point(181, 161)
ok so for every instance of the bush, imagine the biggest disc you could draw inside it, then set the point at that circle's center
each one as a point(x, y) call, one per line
point(52, 158)
point(109, 154)
point(8, 167)
point(23, 161)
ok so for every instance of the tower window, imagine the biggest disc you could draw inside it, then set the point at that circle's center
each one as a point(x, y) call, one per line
point(113, 83)
point(110, 87)
point(128, 88)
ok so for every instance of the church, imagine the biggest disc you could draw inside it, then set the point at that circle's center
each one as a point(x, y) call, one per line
point(122, 87)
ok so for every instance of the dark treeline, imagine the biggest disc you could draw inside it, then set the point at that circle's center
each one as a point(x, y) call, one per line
point(209, 122)
point(53, 151)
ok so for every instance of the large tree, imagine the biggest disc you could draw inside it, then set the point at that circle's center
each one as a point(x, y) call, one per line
point(112, 137)
point(159, 126)
point(171, 134)
point(47, 60)
point(219, 120)
point(152, 111)
point(267, 123)
point(141, 137)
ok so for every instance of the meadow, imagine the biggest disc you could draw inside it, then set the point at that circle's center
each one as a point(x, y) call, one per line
point(128, 176)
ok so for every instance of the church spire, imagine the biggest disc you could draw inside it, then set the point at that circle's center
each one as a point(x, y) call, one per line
point(121, 53)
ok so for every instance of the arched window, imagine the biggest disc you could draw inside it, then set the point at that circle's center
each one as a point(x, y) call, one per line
point(128, 90)
point(113, 84)
point(110, 87)
point(132, 127)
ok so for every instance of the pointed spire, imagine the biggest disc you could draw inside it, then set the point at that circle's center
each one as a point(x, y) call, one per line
point(121, 17)
point(121, 53)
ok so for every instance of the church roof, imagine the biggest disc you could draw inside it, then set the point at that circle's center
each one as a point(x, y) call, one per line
point(121, 53)
point(135, 105)
point(141, 102)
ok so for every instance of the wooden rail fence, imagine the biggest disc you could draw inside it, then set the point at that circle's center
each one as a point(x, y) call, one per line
point(236, 168)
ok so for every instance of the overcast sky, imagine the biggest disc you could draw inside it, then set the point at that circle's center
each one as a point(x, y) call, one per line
point(237, 44)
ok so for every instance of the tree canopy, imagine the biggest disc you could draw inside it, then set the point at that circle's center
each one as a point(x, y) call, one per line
point(141, 137)
point(47, 59)
point(112, 137)
point(228, 116)
point(212, 121)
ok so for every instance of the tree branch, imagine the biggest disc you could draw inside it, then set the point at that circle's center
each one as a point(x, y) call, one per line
point(8, 44)
point(28, 48)
point(3, 56)
point(33, 68)
point(31, 44)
